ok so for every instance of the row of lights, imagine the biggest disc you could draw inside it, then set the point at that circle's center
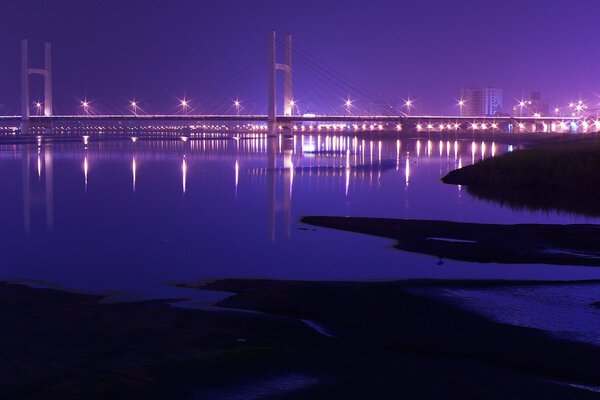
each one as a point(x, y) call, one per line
point(576, 107)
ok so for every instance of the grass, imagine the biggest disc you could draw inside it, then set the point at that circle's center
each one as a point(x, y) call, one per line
point(564, 175)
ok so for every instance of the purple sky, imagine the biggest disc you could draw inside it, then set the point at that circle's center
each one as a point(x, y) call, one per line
point(157, 51)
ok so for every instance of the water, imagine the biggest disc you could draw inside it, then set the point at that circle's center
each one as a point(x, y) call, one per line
point(130, 218)
point(566, 310)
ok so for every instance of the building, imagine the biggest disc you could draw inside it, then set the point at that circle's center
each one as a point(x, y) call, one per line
point(533, 106)
point(481, 101)
point(537, 105)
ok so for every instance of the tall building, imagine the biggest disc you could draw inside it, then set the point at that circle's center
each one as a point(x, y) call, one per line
point(538, 105)
point(481, 101)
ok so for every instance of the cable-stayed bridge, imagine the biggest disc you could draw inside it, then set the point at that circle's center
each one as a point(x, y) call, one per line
point(360, 111)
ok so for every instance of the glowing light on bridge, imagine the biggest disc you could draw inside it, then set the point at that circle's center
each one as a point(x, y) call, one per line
point(293, 104)
point(86, 106)
point(185, 104)
point(461, 105)
point(522, 104)
point(238, 106)
point(348, 105)
point(408, 103)
point(134, 106)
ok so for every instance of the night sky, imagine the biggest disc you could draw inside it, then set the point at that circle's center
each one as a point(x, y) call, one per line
point(111, 51)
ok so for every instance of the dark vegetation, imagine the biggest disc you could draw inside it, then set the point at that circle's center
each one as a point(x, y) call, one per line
point(560, 175)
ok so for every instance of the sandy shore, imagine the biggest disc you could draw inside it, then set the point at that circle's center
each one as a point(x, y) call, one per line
point(386, 342)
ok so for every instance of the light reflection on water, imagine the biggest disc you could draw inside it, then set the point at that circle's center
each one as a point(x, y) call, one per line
point(133, 215)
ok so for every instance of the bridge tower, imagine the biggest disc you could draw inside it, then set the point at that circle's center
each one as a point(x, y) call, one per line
point(286, 67)
point(46, 72)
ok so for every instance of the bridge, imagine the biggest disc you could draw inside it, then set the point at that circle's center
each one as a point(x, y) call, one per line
point(272, 122)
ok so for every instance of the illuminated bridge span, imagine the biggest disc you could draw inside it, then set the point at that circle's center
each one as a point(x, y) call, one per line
point(387, 123)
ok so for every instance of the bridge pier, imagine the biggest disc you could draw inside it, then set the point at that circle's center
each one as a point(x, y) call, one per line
point(286, 67)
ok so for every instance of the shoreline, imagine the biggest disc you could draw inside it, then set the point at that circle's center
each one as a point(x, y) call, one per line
point(386, 342)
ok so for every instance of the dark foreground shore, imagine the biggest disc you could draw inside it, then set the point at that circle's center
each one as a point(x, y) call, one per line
point(387, 342)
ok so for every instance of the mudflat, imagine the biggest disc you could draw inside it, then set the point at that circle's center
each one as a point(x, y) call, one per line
point(383, 341)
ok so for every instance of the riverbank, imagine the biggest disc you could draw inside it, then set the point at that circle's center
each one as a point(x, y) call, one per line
point(558, 174)
point(386, 342)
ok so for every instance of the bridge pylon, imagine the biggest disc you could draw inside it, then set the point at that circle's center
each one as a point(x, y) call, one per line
point(46, 72)
point(286, 67)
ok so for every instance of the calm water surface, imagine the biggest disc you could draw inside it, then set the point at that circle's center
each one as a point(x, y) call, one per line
point(132, 217)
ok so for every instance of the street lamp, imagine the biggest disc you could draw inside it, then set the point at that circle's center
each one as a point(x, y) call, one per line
point(292, 105)
point(522, 104)
point(461, 104)
point(348, 104)
point(134, 106)
point(86, 106)
point(408, 104)
point(237, 105)
point(184, 105)
point(38, 107)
